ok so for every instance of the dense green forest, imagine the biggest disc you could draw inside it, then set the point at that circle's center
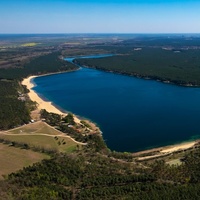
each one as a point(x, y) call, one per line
point(13, 111)
point(41, 65)
point(181, 67)
point(15, 107)
point(95, 176)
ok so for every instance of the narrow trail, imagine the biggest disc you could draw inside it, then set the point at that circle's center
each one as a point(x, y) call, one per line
point(65, 135)
point(42, 134)
point(61, 134)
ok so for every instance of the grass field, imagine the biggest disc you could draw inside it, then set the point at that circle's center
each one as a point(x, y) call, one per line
point(13, 159)
point(61, 144)
point(31, 44)
point(35, 128)
point(41, 135)
point(38, 135)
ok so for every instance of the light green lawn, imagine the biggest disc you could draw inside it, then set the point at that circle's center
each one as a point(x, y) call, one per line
point(41, 135)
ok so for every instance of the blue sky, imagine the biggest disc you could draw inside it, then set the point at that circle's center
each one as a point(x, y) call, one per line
point(99, 16)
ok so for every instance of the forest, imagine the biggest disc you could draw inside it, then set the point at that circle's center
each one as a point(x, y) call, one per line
point(50, 63)
point(94, 176)
point(95, 172)
point(181, 67)
point(15, 110)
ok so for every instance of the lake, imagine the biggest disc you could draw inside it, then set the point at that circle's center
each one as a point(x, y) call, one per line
point(133, 114)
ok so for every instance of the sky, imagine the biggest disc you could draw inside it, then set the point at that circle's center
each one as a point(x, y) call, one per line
point(99, 16)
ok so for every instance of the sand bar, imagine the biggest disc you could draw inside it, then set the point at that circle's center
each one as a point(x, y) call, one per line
point(42, 104)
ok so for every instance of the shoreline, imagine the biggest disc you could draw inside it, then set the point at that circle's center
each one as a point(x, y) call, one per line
point(142, 155)
point(145, 77)
point(158, 152)
point(41, 103)
point(163, 151)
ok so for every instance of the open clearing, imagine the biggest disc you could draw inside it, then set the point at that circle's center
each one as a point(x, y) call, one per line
point(38, 135)
point(31, 44)
point(42, 136)
point(175, 162)
point(35, 128)
point(12, 159)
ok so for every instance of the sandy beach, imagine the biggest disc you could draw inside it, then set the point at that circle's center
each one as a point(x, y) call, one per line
point(164, 151)
point(42, 104)
point(178, 147)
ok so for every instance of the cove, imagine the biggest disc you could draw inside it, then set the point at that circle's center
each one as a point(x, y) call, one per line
point(133, 114)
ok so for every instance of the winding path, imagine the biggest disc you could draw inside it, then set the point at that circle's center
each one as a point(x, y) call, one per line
point(61, 134)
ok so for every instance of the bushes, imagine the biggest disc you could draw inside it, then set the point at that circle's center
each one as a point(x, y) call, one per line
point(13, 111)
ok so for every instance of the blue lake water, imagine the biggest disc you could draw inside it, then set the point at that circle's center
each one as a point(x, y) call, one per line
point(133, 114)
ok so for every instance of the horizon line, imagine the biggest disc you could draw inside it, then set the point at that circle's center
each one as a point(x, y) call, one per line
point(97, 33)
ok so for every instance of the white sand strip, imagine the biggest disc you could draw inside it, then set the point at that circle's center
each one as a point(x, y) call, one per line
point(178, 147)
point(47, 105)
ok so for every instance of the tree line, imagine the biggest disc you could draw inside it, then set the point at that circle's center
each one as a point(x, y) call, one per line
point(15, 111)
point(93, 176)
